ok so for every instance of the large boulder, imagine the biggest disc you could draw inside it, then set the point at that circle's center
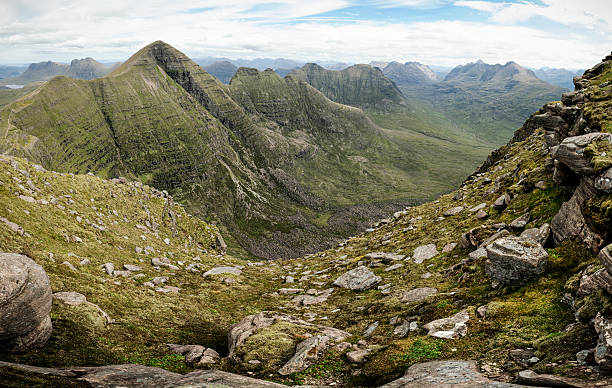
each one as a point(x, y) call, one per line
point(277, 340)
point(357, 279)
point(424, 252)
point(571, 152)
point(513, 260)
point(25, 303)
point(446, 374)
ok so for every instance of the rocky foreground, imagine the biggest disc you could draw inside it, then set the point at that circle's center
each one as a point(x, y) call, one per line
point(512, 271)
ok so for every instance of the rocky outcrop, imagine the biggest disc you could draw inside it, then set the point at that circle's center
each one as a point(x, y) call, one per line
point(25, 303)
point(514, 261)
point(603, 350)
point(446, 374)
point(449, 328)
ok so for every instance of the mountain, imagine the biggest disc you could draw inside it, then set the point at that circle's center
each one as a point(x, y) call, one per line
point(10, 71)
point(359, 85)
point(409, 73)
point(258, 63)
point(488, 101)
point(504, 281)
point(283, 168)
point(87, 68)
point(285, 72)
point(561, 77)
point(222, 70)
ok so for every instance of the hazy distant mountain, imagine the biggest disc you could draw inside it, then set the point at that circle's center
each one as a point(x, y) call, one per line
point(490, 101)
point(257, 63)
point(561, 77)
point(380, 64)
point(222, 70)
point(285, 72)
point(11, 71)
point(362, 86)
point(409, 73)
point(86, 68)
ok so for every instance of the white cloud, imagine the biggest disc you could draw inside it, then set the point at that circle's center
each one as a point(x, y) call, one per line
point(115, 29)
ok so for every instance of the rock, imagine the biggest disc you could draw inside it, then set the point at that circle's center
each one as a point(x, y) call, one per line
point(131, 268)
point(343, 346)
point(520, 222)
point(477, 254)
point(192, 353)
point(307, 300)
point(418, 294)
point(449, 328)
point(522, 356)
point(109, 268)
point(584, 356)
point(531, 378)
point(495, 236)
point(25, 303)
point(222, 270)
point(424, 252)
point(603, 350)
point(69, 265)
point(13, 226)
point(478, 207)
point(85, 261)
point(571, 152)
point(541, 185)
point(358, 279)
point(449, 247)
point(453, 211)
point(70, 298)
point(241, 331)
point(370, 329)
point(569, 222)
point(502, 201)
point(458, 196)
point(384, 256)
point(603, 182)
point(220, 243)
point(210, 356)
point(540, 235)
point(600, 279)
point(512, 260)
point(481, 214)
point(357, 356)
point(605, 258)
point(482, 311)
point(163, 262)
point(288, 291)
point(159, 280)
point(393, 267)
point(446, 374)
point(307, 353)
point(289, 279)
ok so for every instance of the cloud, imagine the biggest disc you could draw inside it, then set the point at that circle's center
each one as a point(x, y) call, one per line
point(115, 29)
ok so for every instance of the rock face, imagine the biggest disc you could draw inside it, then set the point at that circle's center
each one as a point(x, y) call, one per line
point(446, 374)
point(25, 303)
point(512, 260)
point(449, 328)
point(307, 353)
point(540, 235)
point(358, 279)
point(571, 152)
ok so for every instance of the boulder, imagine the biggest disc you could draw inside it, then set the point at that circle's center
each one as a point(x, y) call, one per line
point(222, 271)
point(358, 279)
point(478, 207)
point(92, 310)
point(600, 279)
point(446, 374)
point(209, 356)
point(424, 252)
point(385, 256)
point(603, 350)
point(453, 211)
point(449, 328)
point(571, 152)
point(25, 303)
point(520, 222)
point(357, 356)
point(307, 353)
point(603, 182)
point(512, 260)
point(449, 247)
point(545, 380)
point(540, 235)
point(481, 214)
point(418, 294)
point(502, 201)
point(605, 258)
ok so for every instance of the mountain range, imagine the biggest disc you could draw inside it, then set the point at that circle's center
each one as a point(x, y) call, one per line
point(87, 69)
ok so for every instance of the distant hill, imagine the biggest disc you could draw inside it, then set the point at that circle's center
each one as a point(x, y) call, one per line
point(86, 68)
point(222, 70)
point(561, 77)
point(257, 63)
point(489, 101)
point(409, 73)
point(11, 71)
point(362, 86)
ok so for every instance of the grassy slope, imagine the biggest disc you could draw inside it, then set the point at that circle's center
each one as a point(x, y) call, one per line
point(7, 96)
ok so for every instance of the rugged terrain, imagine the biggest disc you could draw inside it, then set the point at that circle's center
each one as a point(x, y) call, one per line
point(267, 157)
point(511, 270)
point(87, 68)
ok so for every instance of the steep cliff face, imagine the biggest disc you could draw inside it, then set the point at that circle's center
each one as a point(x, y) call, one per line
point(362, 86)
point(409, 73)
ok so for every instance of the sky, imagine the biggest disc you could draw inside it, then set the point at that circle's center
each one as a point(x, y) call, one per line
point(555, 33)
